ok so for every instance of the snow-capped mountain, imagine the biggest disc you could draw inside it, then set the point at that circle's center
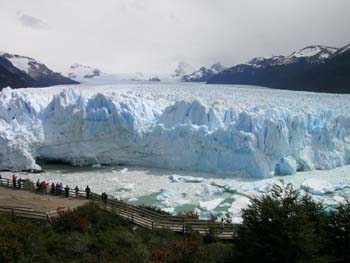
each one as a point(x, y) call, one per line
point(345, 49)
point(311, 54)
point(79, 72)
point(306, 69)
point(203, 74)
point(20, 71)
point(182, 69)
point(92, 75)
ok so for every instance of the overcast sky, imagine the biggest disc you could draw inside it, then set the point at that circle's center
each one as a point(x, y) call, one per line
point(153, 35)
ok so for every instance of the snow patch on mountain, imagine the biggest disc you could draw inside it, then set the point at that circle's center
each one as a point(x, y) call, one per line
point(312, 54)
point(28, 65)
point(80, 72)
point(203, 74)
point(182, 69)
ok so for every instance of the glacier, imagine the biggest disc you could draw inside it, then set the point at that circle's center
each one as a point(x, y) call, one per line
point(229, 130)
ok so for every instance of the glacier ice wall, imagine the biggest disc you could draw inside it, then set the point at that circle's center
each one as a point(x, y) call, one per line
point(176, 132)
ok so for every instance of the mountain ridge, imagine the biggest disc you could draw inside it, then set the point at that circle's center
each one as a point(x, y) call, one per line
point(21, 72)
point(313, 68)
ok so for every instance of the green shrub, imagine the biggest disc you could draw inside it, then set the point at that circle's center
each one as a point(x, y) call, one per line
point(282, 227)
point(338, 239)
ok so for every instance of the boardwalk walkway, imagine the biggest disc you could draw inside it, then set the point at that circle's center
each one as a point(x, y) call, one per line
point(26, 202)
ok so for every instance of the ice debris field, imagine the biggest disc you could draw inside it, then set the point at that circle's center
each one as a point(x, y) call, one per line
point(225, 143)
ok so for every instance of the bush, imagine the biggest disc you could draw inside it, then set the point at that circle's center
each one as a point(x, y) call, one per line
point(190, 214)
point(282, 227)
point(70, 221)
point(338, 240)
point(185, 251)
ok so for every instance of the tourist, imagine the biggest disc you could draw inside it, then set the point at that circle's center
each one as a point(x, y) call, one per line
point(57, 189)
point(20, 182)
point(76, 191)
point(44, 187)
point(87, 191)
point(14, 178)
point(104, 198)
point(66, 191)
point(61, 188)
point(53, 188)
point(37, 185)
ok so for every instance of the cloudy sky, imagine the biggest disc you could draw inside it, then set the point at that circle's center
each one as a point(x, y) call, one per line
point(154, 35)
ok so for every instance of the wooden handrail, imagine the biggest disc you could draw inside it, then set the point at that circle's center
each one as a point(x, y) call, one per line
point(135, 214)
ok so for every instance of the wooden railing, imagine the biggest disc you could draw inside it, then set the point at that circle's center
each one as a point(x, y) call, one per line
point(135, 214)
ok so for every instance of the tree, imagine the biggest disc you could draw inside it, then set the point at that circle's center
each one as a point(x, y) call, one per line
point(281, 227)
point(339, 234)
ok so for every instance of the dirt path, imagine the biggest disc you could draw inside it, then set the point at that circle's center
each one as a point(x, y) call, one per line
point(22, 198)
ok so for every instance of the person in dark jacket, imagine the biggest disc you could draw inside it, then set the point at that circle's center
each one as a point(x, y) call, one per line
point(38, 185)
point(20, 183)
point(87, 191)
point(104, 197)
point(57, 189)
point(76, 189)
point(66, 191)
point(53, 188)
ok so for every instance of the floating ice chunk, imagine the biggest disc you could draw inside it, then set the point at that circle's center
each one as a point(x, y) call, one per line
point(127, 187)
point(164, 195)
point(134, 199)
point(185, 179)
point(123, 171)
point(225, 205)
point(210, 205)
point(238, 204)
point(169, 210)
point(237, 220)
point(97, 165)
point(317, 187)
point(181, 201)
point(210, 190)
point(339, 199)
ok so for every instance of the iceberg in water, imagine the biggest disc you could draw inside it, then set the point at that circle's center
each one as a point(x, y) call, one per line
point(209, 129)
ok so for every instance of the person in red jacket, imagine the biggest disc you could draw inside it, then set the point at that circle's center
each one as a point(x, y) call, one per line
point(14, 179)
point(44, 185)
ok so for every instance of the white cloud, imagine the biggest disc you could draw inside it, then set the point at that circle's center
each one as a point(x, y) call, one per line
point(32, 22)
point(152, 35)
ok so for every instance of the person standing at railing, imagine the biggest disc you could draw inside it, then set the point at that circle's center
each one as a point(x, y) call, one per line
point(37, 185)
point(66, 191)
point(53, 188)
point(61, 188)
point(104, 198)
point(20, 183)
point(14, 179)
point(44, 187)
point(87, 191)
point(76, 189)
